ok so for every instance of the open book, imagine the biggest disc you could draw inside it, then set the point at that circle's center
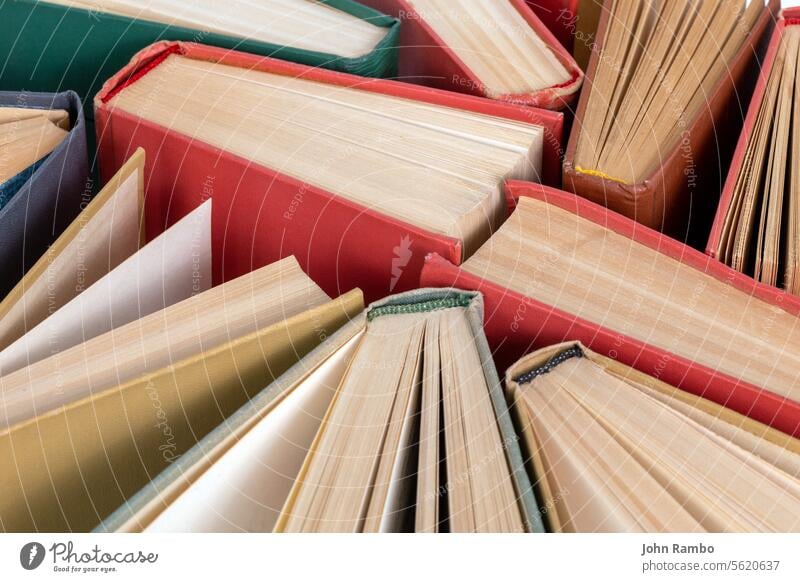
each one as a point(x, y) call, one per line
point(656, 124)
point(760, 221)
point(613, 449)
point(658, 66)
point(238, 477)
point(396, 423)
point(95, 277)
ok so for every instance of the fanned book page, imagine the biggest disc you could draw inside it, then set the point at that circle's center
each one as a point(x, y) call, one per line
point(656, 70)
point(245, 478)
point(412, 441)
point(109, 415)
point(495, 43)
point(171, 268)
point(302, 24)
point(761, 229)
point(589, 271)
point(434, 167)
point(621, 454)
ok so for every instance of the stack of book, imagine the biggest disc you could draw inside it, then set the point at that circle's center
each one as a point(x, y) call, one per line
point(185, 345)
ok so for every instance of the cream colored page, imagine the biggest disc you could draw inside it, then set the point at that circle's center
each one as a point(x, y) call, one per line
point(341, 470)
point(303, 24)
point(493, 497)
point(173, 267)
point(246, 489)
point(398, 494)
point(659, 62)
point(601, 487)
point(26, 142)
point(110, 237)
point(225, 312)
point(724, 487)
point(427, 517)
point(783, 459)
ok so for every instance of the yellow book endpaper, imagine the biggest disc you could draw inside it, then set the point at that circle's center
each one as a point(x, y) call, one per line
point(68, 469)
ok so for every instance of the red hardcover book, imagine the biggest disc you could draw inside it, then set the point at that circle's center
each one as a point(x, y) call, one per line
point(261, 215)
point(679, 196)
point(426, 59)
point(516, 324)
point(789, 17)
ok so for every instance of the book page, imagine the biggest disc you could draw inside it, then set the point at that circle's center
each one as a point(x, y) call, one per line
point(171, 268)
point(247, 487)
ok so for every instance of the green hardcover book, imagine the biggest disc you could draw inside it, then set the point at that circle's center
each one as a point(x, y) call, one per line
point(73, 44)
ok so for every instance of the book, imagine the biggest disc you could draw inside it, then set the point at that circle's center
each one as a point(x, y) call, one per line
point(110, 414)
point(656, 124)
point(564, 268)
point(337, 167)
point(496, 49)
point(79, 43)
point(50, 185)
point(756, 229)
point(119, 354)
point(615, 450)
point(418, 436)
point(559, 16)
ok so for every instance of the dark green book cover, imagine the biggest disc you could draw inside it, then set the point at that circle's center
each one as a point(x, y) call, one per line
point(47, 47)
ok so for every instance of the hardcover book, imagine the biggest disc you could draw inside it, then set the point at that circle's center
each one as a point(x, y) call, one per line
point(562, 268)
point(359, 179)
point(615, 450)
point(87, 428)
point(354, 438)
